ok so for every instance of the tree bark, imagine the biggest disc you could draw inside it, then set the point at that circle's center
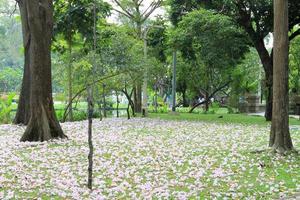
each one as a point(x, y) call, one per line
point(118, 103)
point(207, 100)
point(43, 124)
point(130, 102)
point(280, 139)
point(100, 110)
point(155, 99)
point(267, 62)
point(174, 81)
point(104, 101)
point(138, 103)
point(70, 88)
point(23, 111)
point(90, 137)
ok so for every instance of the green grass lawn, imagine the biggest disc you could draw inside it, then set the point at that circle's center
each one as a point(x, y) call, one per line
point(218, 118)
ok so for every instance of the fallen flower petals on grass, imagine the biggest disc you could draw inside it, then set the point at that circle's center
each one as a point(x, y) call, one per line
point(148, 159)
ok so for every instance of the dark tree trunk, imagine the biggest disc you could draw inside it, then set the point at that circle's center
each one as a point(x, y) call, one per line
point(128, 112)
point(280, 139)
point(70, 88)
point(138, 103)
point(23, 111)
point(184, 99)
point(207, 101)
point(267, 62)
point(100, 110)
point(43, 124)
point(118, 102)
point(104, 101)
point(90, 137)
point(130, 102)
point(134, 95)
point(155, 99)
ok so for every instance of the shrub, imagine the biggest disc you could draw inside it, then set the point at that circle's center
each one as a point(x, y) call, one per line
point(6, 108)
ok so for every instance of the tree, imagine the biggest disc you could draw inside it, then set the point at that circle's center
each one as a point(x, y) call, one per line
point(255, 17)
point(213, 52)
point(38, 16)
point(280, 139)
point(137, 14)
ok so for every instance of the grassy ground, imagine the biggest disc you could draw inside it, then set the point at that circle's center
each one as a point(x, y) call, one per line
point(218, 118)
point(149, 159)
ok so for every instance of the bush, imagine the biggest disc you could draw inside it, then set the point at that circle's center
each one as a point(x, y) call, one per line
point(232, 110)
point(59, 97)
point(6, 108)
point(160, 109)
point(215, 106)
point(79, 116)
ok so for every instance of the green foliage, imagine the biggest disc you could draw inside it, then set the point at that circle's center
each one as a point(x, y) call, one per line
point(6, 108)
point(157, 39)
point(160, 109)
point(11, 55)
point(77, 16)
point(78, 115)
point(178, 8)
point(214, 107)
point(258, 12)
point(10, 79)
point(218, 47)
point(247, 75)
point(294, 61)
point(208, 54)
point(59, 97)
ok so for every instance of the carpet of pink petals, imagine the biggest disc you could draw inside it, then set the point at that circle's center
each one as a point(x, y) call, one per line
point(148, 159)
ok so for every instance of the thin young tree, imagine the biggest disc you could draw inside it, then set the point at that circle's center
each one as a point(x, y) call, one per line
point(91, 106)
point(280, 139)
point(43, 124)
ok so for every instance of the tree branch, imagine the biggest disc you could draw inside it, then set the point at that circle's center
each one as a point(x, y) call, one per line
point(85, 88)
point(123, 8)
point(211, 95)
point(153, 6)
point(122, 13)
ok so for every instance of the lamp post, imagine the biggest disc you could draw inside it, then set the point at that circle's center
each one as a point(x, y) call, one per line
point(174, 81)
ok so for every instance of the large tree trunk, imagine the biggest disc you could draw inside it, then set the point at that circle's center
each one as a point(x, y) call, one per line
point(43, 124)
point(23, 113)
point(280, 139)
